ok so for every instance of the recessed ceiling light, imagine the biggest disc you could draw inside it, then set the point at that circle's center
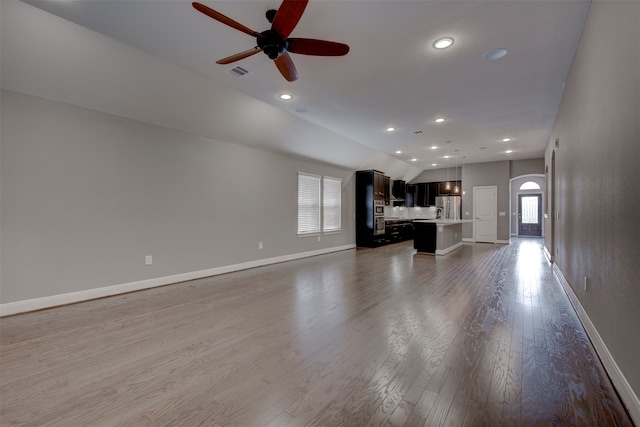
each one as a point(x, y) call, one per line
point(414, 160)
point(434, 164)
point(443, 43)
point(390, 129)
point(285, 96)
point(433, 147)
point(492, 55)
point(509, 151)
point(439, 120)
point(398, 152)
point(506, 139)
point(447, 156)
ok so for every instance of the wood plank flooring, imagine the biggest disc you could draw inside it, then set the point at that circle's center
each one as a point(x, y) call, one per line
point(483, 336)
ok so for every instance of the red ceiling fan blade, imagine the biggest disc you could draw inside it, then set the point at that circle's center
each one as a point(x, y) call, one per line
point(288, 16)
point(286, 67)
point(224, 19)
point(239, 56)
point(317, 47)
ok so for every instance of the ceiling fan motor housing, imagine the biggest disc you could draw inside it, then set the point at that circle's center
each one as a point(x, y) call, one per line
point(272, 44)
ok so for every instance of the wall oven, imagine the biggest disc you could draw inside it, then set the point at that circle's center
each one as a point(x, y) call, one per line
point(378, 217)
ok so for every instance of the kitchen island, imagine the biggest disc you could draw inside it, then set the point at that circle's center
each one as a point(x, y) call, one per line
point(438, 236)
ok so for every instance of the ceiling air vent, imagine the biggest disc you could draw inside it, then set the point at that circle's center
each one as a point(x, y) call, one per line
point(238, 71)
point(416, 132)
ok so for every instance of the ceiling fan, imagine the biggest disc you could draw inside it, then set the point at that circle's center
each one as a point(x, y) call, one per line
point(275, 42)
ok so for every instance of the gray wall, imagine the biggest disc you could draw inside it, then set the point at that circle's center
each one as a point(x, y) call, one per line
point(87, 195)
point(439, 175)
point(597, 179)
point(526, 167)
point(486, 174)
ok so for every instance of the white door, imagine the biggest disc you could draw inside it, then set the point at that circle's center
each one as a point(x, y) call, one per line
point(485, 207)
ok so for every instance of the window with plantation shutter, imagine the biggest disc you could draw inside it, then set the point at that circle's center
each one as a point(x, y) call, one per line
point(308, 204)
point(331, 204)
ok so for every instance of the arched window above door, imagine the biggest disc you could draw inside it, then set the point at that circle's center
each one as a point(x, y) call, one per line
point(530, 185)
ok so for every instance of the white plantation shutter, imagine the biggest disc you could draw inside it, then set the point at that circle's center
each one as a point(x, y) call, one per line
point(308, 204)
point(331, 204)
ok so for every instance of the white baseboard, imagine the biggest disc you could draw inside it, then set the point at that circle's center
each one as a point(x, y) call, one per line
point(628, 396)
point(107, 291)
point(503, 242)
point(468, 239)
point(449, 249)
point(547, 254)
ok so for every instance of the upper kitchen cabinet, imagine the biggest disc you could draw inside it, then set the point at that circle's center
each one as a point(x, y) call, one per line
point(379, 188)
point(410, 196)
point(443, 191)
point(421, 194)
point(387, 191)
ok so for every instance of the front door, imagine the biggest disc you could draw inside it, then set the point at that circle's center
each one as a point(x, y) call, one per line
point(530, 215)
point(485, 206)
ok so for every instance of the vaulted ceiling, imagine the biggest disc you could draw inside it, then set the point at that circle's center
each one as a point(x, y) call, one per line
point(391, 77)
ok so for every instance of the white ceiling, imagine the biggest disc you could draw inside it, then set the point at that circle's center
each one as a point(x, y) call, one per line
point(392, 75)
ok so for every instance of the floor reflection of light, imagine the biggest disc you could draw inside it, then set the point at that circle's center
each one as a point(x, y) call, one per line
point(319, 304)
point(529, 272)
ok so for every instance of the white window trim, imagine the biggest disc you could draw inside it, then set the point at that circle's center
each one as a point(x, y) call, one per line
point(321, 207)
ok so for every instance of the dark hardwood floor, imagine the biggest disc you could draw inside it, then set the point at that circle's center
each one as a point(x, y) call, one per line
point(483, 336)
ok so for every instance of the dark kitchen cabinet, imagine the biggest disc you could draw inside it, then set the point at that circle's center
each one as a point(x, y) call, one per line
point(378, 185)
point(443, 191)
point(423, 194)
point(398, 231)
point(433, 193)
point(387, 190)
point(424, 239)
point(370, 194)
point(410, 196)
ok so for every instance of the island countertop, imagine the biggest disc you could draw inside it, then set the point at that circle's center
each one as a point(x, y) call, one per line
point(443, 222)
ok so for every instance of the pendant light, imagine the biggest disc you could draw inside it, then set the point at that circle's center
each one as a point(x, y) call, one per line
point(456, 189)
point(447, 186)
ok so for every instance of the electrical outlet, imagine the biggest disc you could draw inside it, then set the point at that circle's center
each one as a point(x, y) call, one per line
point(259, 245)
point(148, 260)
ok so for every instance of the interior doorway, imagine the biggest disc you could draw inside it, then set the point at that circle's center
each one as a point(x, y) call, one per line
point(530, 215)
point(485, 207)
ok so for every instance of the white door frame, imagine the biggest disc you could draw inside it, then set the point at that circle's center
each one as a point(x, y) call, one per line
point(495, 228)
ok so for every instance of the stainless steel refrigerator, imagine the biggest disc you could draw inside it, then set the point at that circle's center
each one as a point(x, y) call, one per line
point(448, 207)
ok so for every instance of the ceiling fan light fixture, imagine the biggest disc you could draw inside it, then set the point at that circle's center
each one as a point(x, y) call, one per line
point(443, 43)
